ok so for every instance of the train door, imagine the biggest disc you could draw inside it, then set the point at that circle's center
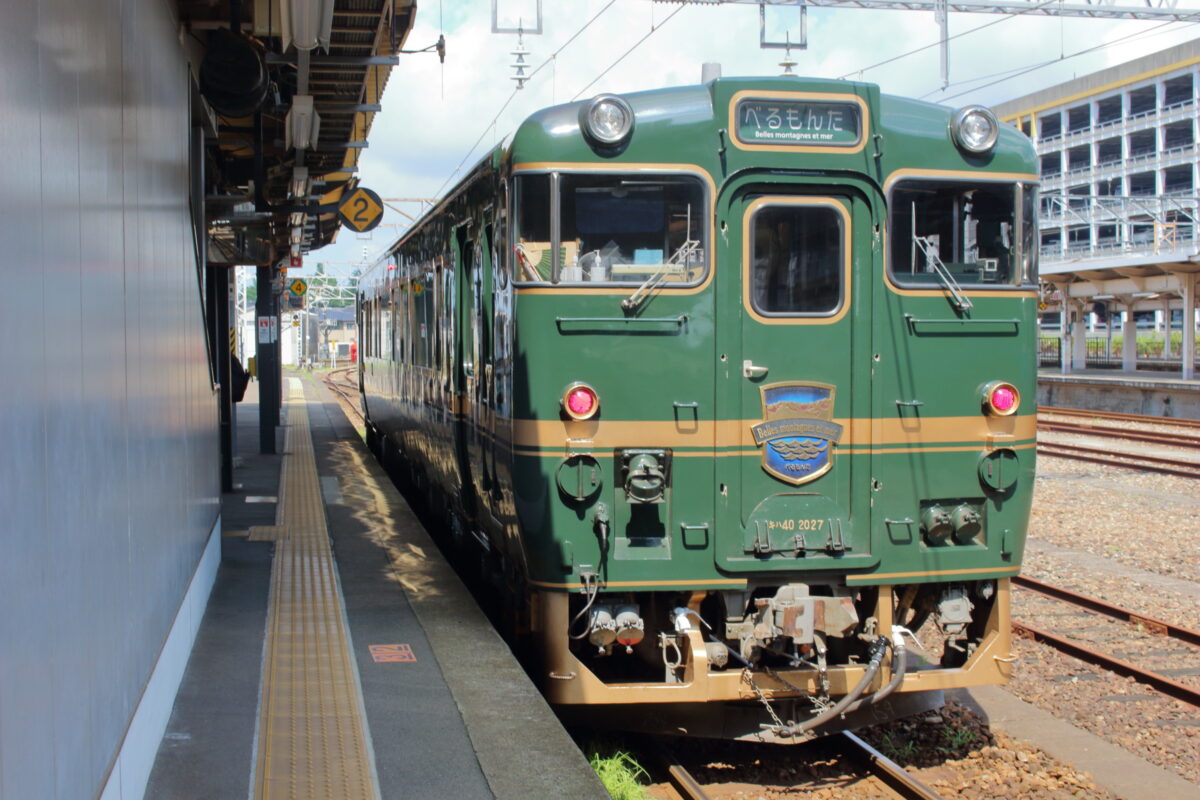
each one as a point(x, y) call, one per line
point(795, 266)
point(464, 375)
point(481, 360)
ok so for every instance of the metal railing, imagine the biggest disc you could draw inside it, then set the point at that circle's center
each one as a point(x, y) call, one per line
point(1144, 224)
point(1101, 352)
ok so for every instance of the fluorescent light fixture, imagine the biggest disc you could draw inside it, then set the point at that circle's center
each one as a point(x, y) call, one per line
point(300, 182)
point(303, 123)
point(307, 24)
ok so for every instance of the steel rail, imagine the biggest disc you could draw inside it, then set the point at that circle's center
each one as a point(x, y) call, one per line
point(682, 781)
point(1160, 682)
point(1154, 437)
point(334, 386)
point(1170, 466)
point(894, 776)
point(1155, 626)
point(1114, 415)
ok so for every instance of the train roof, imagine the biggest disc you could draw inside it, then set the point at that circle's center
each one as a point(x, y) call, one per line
point(684, 125)
point(690, 126)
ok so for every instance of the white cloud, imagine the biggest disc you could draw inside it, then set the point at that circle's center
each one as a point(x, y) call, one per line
point(433, 113)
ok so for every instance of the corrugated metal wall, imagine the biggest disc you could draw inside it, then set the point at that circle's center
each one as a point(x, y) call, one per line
point(108, 446)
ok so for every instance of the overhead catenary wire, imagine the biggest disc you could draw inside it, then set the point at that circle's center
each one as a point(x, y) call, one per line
point(549, 60)
point(653, 29)
point(1006, 75)
point(923, 48)
point(1077, 53)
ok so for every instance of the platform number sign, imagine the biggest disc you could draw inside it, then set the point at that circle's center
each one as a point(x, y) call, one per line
point(362, 210)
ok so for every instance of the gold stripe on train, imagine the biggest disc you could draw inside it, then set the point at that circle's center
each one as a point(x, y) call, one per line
point(735, 582)
point(562, 451)
point(540, 434)
point(875, 576)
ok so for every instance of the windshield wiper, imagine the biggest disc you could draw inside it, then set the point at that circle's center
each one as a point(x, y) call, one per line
point(961, 301)
point(674, 265)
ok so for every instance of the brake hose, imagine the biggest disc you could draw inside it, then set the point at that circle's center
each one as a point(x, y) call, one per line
point(877, 651)
point(899, 667)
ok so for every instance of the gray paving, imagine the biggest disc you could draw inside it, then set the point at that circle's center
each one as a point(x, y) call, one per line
point(208, 749)
point(460, 721)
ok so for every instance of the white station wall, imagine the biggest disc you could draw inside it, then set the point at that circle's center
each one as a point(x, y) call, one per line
point(109, 466)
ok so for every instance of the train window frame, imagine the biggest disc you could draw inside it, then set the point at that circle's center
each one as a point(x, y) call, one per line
point(498, 235)
point(837, 259)
point(1021, 272)
point(700, 267)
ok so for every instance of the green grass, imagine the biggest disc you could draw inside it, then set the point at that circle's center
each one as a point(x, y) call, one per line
point(957, 741)
point(619, 773)
point(897, 746)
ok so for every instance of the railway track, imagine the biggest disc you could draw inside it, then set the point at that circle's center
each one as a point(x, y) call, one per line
point(339, 382)
point(850, 747)
point(1111, 416)
point(1079, 650)
point(1154, 437)
point(1092, 423)
point(1188, 468)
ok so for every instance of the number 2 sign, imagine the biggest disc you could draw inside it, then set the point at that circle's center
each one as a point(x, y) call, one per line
point(362, 210)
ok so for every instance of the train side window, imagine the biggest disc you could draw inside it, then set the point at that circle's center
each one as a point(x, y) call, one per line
point(796, 260)
point(969, 228)
point(531, 228)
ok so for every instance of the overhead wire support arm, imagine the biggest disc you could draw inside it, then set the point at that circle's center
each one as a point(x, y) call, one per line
point(1162, 10)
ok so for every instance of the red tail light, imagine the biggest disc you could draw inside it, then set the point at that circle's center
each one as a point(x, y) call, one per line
point(1001, 398)
point(580, 401)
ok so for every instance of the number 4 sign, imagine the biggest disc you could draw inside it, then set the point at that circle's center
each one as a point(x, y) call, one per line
point(362, 210)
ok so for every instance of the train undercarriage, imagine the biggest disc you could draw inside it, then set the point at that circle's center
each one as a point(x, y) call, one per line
point(780, 664)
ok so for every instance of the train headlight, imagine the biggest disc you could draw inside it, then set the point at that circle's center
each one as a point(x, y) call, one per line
point(1001, 398)
point(607, 119)
point(580, 401)
point(975, 129)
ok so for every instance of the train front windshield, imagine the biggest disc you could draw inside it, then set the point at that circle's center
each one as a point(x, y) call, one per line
point(981, 234)
point(612, 229)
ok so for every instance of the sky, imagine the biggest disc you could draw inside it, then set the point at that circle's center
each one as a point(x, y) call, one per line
point(439, 119)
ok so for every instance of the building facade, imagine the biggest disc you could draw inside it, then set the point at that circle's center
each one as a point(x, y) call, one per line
point(1119, 169)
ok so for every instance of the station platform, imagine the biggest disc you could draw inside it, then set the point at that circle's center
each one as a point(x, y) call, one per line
point(1142, 392)
point(340, 656)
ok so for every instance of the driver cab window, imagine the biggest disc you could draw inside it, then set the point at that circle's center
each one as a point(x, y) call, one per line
point(611, 228)
point(968, 229)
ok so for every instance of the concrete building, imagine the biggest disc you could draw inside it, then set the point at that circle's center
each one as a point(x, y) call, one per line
point(1119, 205)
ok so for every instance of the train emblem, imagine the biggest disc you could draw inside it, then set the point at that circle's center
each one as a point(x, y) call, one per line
point(797, 433)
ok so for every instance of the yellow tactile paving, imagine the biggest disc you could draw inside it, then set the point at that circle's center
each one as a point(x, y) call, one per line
point(267, 533)
point(312, 739)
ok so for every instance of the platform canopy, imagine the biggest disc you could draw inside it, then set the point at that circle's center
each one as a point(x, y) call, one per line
point(285, 92)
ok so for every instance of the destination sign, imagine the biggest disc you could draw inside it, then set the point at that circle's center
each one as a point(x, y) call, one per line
point(798, 122)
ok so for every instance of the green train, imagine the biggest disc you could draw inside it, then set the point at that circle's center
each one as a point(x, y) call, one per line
point(731, 385)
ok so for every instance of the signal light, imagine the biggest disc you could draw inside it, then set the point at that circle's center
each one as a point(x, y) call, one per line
point(580, 401)
point(1001, 398)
